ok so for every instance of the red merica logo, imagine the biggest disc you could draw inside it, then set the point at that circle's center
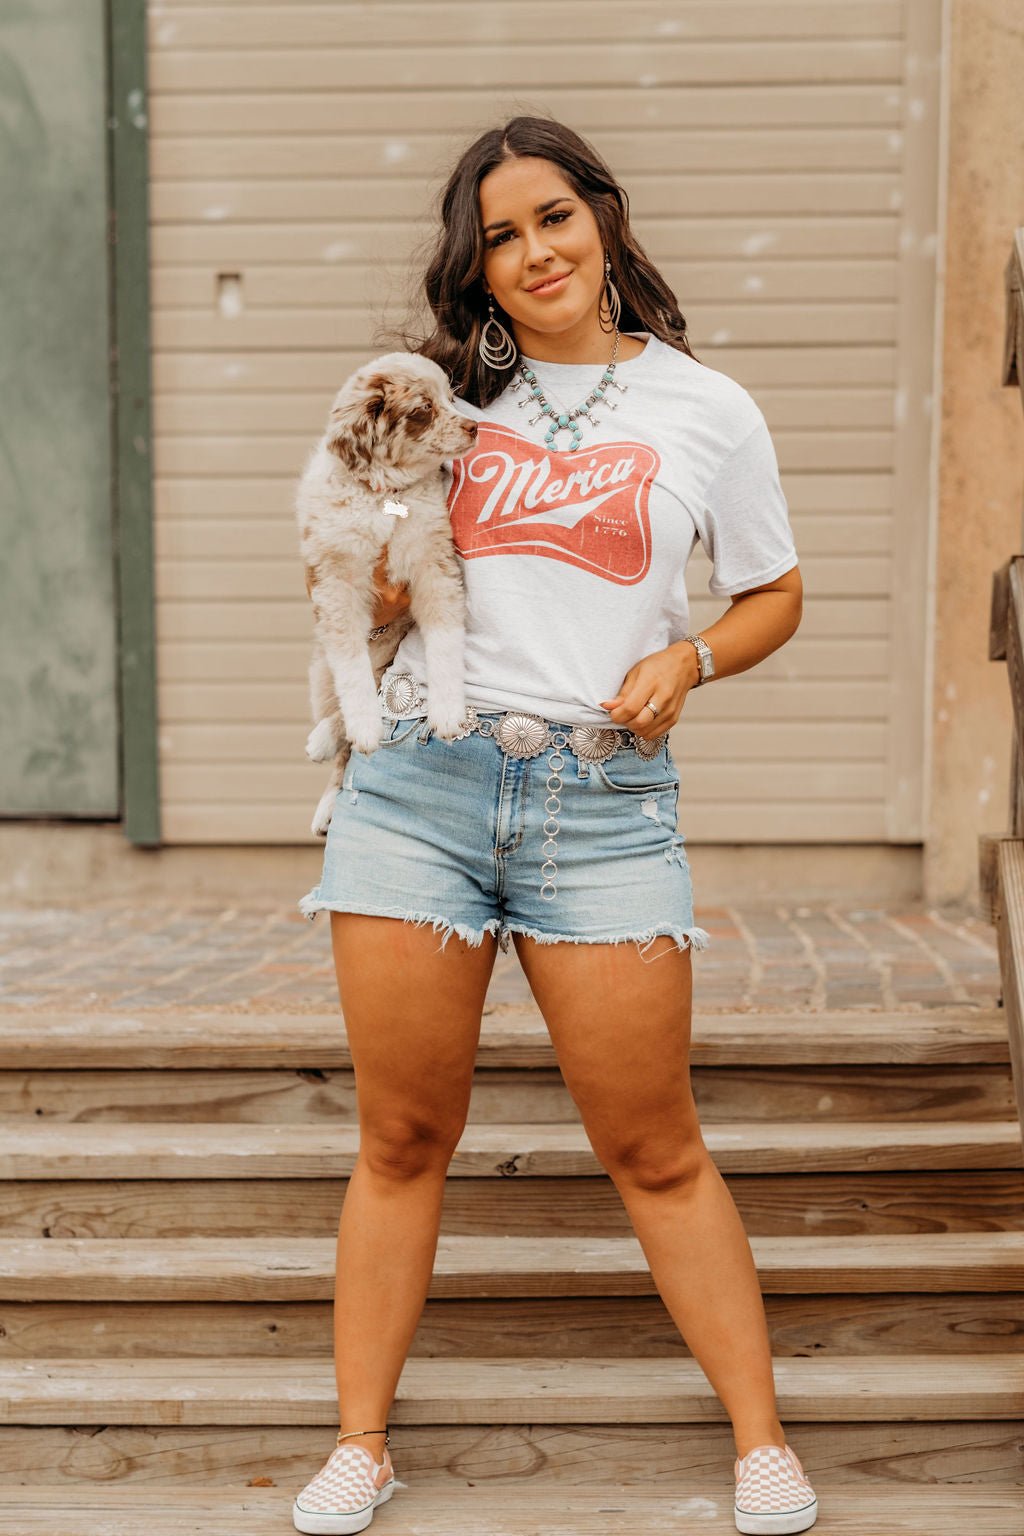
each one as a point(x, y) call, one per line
point(589, 508)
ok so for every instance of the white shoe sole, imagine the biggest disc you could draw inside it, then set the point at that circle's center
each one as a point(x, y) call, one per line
point(783, 1524)
point(322, 1522)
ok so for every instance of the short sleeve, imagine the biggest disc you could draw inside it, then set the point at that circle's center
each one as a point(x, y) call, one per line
point(743, 519)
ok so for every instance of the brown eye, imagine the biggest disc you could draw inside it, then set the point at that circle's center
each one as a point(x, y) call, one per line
point(422, 415)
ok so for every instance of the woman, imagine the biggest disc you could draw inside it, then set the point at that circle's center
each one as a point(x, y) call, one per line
point(605, 449)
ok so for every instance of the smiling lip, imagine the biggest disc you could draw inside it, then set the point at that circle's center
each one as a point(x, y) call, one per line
point(552, 284)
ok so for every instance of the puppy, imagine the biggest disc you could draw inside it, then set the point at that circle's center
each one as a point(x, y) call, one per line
point(374, 482)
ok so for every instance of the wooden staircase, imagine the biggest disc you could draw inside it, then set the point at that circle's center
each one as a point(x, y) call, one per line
point(172, 1187)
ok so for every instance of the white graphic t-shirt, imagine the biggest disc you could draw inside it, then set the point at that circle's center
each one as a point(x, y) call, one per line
point(574, 562)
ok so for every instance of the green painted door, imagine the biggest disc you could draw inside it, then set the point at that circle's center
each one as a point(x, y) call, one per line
point(58, 619)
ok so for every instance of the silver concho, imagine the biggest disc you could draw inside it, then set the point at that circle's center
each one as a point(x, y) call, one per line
point(594, 743)
point(521, 735)
point(649, 749)
point(401, 693)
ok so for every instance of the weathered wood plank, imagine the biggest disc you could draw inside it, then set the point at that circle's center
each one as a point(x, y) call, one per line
point(246, 1269)
point(510, 1037)
point(862, 1323)
point(1010, 934)
point(30, 1149)
point(512, 1511)
point(999, 611)
point(779, 1205)
point(536, 1095)
point(498, 1390)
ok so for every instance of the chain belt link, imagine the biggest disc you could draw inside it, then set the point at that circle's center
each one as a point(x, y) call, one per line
point(523, 735)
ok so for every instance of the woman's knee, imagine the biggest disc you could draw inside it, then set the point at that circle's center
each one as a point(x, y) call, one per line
point(654, 1163)
point(406, 1146)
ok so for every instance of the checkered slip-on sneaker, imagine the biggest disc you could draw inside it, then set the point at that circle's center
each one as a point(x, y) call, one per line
point(773, 1496)
point(344, 1493)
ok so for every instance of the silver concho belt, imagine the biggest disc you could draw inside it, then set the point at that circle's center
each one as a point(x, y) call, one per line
point(520, 734)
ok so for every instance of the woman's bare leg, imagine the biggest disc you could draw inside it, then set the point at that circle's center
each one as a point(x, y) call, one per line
point(620, 1025)
point(412, 1014)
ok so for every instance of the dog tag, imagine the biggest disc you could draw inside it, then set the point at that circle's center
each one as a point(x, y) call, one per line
point(396, 508)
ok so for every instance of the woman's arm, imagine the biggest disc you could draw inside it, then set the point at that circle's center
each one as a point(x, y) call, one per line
point(392, 600)
point(757, 623)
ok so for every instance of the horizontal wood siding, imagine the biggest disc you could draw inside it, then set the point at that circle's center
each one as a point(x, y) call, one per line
point(299, 147)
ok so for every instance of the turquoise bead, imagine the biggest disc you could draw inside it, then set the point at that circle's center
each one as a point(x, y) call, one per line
point(566, 420)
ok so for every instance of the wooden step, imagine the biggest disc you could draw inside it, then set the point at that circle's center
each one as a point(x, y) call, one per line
point(482, 1510)
point(510, 1037)
point(779, 1204)
point(302, 1269)
point(30, 1149)
point(461, 1327)
point(496, 1390)
point(535, 1095)
point(534, 1457)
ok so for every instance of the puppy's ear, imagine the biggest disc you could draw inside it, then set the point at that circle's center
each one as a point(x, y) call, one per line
point(352, 427)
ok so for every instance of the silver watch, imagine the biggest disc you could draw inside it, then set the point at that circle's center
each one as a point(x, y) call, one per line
point(704, 657)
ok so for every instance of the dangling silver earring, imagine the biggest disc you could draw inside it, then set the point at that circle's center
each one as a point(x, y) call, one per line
point(611, 297)
point(499, 353)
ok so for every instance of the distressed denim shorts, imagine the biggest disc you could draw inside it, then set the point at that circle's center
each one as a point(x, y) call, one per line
point(458, 834)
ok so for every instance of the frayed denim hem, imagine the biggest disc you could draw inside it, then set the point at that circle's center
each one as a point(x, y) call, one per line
point(310, 905)
point(694, 938)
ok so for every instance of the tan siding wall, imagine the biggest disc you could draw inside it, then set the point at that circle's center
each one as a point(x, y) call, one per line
point(770, 170)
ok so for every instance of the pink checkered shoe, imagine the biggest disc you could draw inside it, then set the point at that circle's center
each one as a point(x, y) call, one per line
point(773, 1496)
point(345, 1492)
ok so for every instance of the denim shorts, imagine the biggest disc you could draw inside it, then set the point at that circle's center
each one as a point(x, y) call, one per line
point(459, 835)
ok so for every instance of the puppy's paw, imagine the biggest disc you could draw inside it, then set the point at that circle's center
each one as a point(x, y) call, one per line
point(446, 721)
point(322, 741)
point(324, 811)
point(366, 734)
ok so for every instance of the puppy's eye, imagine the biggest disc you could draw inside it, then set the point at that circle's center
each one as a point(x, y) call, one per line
point(422, 415)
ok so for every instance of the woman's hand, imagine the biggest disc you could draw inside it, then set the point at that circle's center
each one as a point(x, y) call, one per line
point(666, 677)
point(392, 599)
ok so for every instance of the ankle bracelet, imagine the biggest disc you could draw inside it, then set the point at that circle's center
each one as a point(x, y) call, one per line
point(385, 1432)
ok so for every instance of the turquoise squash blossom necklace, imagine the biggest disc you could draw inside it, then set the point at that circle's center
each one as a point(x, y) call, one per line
point(563, 420)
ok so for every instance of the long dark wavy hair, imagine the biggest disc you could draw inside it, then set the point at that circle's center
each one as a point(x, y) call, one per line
point(453, 279)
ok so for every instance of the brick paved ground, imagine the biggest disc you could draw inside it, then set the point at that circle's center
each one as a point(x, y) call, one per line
point(116, 955)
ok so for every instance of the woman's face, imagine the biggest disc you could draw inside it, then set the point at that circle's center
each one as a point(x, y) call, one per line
point(533, 242)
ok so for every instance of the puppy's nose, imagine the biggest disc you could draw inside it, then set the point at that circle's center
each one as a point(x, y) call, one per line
point(471, 427)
